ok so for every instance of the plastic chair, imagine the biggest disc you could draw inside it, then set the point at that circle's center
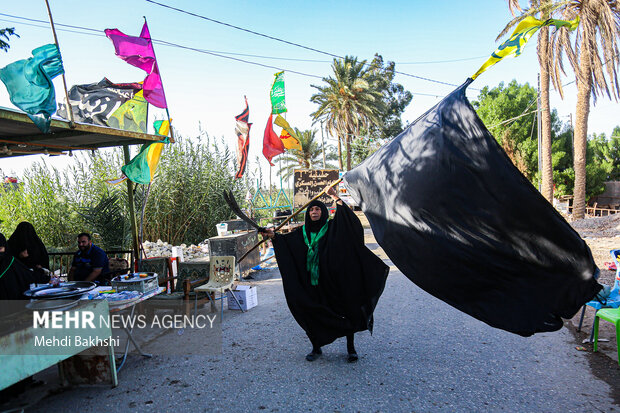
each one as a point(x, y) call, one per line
point(221, 279)
point(611, 301)
point(613, 316)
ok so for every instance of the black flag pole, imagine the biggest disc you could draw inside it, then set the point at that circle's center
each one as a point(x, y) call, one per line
point(293, 215)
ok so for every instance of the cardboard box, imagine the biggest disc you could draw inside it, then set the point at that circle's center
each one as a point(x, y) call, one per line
point(246, 294)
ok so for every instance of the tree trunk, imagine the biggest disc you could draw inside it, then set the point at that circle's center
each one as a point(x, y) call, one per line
point(584, 84)
point(547, 166)
point(339, 153)
point(348, 141)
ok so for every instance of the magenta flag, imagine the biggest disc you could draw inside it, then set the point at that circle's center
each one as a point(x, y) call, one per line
point(138, 52)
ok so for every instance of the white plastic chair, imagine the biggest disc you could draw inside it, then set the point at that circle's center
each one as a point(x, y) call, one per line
point(221, 279)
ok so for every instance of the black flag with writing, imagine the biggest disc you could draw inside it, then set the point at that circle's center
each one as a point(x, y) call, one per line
point(93, 103)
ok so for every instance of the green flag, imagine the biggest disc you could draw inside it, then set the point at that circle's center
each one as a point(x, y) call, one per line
point(30, 87)
point(277, 94)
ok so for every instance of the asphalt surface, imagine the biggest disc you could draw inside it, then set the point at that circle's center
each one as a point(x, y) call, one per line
point(424, 356)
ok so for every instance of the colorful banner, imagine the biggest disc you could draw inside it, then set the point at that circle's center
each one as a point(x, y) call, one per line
point(242, 130)
point(277, 94)
point(272, 144)
point(141, 169)
point(132, 115)
point(513, 47)
point(30, 87)
point(288, 136)
point(138, 52)
point(94, 103)
point(162, 127)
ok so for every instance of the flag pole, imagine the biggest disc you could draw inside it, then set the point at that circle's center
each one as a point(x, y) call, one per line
point(64, 80)
point(293, 215)
point(162, 80)
point(132, 214)
point(323, 144)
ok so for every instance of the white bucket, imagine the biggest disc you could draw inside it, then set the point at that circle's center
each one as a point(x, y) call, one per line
point(222, 229)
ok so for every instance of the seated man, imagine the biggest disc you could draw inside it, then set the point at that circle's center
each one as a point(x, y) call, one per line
point(90, 263)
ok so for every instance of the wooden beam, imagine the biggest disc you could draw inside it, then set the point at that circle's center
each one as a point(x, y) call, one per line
point(41, 145)
point(82, 127)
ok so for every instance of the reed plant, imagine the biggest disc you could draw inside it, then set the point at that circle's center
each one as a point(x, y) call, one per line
point(184, 201)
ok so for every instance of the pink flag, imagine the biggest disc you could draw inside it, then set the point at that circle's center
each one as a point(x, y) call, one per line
point(138, 52)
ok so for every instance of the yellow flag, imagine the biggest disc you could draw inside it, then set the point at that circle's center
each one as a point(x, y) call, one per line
point(290, 140)
point(131, 115)
point(513, 47)
point(141, 169)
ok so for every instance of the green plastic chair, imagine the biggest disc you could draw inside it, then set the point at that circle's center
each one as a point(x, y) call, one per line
point(613, 316)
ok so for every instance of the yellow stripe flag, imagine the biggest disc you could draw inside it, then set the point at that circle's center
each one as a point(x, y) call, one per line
point(141, 168)
point(513, 47)
point(290, 139)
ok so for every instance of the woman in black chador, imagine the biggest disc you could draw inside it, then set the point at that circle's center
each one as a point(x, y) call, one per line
point(332, 282)
point(15, 277)
point(27, 247)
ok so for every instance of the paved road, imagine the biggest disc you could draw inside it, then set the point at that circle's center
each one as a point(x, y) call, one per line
point(424, 356)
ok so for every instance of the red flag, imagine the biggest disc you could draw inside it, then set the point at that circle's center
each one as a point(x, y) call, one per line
point(242, 129)
point(272, 144)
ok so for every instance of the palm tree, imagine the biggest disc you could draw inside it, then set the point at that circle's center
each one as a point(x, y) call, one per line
point(4, 34)
point(349, 101)
point(544, 9)
point(310, 156)
point(598, 33)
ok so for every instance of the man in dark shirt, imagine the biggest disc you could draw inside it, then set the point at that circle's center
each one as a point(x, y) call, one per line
point(90, 263)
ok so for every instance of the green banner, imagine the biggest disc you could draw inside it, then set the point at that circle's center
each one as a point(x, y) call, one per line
point(277, 94)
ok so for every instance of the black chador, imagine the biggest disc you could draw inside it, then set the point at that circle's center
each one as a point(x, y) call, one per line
point(15, 277)
point(332, 282)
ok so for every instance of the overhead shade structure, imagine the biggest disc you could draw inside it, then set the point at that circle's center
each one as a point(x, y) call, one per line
point(19, 136)
point(455, 215)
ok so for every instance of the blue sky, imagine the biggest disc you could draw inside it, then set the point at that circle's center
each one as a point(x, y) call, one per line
point(207, 91)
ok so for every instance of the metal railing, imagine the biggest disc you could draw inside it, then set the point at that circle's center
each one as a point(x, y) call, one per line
point(61, 261)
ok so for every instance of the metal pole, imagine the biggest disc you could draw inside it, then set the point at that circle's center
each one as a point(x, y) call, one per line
point(323, 144)
point(539, 127)
point(162, 82)
point(64, 80)
point(270, 203)
point(132, 211)
point(146, 197)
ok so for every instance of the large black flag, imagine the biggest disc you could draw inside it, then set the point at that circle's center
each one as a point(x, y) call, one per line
point(457, 218)
point(93, 103)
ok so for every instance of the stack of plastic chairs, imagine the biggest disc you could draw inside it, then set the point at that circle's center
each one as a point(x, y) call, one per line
point(610, 301)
